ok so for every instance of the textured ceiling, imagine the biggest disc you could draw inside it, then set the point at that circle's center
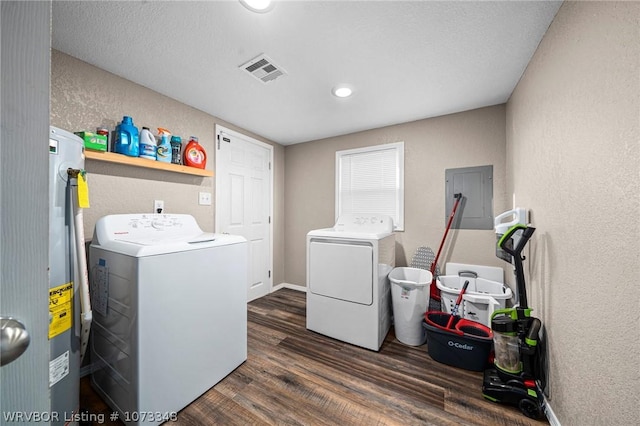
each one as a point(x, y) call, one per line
point(406, 60)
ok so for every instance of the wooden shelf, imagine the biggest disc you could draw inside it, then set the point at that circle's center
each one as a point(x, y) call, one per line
point(112, 157)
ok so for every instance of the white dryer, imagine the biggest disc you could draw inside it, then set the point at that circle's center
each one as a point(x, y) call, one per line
point(348, 293)
point(170, 312)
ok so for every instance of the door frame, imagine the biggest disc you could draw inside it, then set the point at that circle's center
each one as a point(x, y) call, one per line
point(218, 131)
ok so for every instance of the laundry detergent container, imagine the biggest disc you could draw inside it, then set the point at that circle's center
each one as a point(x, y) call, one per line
point(410, 299)
point(481, 299)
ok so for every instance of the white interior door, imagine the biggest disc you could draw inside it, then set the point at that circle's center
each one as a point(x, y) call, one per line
point(24, 217)
point(244, 191)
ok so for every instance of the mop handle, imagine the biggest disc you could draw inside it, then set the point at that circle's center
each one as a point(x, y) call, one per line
point(454, 311)
point(457, 196)
point(434, 290)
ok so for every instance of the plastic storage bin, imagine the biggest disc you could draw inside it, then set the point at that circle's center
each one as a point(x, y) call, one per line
point(481, 299)
point(410, 299)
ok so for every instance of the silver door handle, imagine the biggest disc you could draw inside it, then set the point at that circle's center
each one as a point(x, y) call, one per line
point(14, 339)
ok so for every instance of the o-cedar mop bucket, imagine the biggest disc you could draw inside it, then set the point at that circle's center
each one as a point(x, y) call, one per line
point(466, 345)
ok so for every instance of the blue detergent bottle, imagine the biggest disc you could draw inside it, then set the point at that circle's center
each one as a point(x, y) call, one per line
point(127, 140)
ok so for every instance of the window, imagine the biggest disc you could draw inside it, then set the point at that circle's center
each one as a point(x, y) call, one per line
point(370, 181)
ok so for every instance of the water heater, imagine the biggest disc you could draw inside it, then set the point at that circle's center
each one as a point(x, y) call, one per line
point(66, 152)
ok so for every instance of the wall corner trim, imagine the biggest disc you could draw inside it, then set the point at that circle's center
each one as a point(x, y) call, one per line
point(289, 286)
point(551, 416)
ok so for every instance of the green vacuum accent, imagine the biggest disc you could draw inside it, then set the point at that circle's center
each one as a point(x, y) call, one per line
point(510, 233)
point(531, 342)
point(519, 370)
point(512, 312)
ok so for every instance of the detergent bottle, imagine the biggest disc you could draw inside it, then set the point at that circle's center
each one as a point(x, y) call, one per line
point(127, 138)
point(194, 154)
point(176, 149)
point(163, 152)
point(147, 144)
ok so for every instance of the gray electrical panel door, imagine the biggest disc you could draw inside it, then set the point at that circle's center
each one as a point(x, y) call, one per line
point(475, 210)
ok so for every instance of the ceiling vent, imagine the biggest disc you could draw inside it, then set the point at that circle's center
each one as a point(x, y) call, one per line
point(263, 68)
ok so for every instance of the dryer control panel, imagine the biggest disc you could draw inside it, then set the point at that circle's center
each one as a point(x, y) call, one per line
point(377, 224)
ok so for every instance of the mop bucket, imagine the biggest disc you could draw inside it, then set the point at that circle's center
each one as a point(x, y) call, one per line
point(465, 344)
point(410, 298)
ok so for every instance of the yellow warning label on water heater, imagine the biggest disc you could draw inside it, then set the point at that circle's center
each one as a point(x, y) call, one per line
point(60, 309)
point(83, 191)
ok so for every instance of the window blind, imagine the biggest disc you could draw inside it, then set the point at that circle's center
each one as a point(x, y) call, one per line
point(370, 181)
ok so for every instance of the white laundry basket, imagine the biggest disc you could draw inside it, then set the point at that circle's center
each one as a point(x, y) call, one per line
point(480, 300)
point(410, 298)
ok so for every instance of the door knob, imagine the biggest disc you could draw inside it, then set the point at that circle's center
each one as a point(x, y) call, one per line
point(14, 339)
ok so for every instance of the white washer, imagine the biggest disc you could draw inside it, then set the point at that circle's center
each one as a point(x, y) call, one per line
point(348, 294)
point(170, 312)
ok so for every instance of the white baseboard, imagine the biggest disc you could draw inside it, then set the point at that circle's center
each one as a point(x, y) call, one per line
point(551, 416)
point(289, 286)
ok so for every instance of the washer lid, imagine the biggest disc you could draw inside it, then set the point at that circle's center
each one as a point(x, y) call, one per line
point(151, 234)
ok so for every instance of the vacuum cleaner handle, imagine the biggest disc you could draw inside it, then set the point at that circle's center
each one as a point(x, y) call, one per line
point(516, 252)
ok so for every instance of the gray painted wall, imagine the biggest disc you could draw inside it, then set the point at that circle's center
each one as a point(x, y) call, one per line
point(573, 158)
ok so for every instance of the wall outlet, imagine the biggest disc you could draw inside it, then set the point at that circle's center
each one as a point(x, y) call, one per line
point(204, 198)
point(158, 206)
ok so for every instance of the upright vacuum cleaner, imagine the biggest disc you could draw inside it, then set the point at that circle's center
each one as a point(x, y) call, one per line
point(517, 363)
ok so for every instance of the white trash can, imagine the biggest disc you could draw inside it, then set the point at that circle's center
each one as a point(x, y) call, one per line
point(410, 298)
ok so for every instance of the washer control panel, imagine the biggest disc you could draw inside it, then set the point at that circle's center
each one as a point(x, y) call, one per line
point(132, 227)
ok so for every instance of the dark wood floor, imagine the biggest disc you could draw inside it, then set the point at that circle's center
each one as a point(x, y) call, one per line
point(297, 377)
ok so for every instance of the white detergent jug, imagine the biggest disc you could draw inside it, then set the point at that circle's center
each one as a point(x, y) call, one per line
point(147, 144)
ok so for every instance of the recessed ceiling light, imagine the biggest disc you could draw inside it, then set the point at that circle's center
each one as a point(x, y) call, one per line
point(342, 91)
point(259, 6)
